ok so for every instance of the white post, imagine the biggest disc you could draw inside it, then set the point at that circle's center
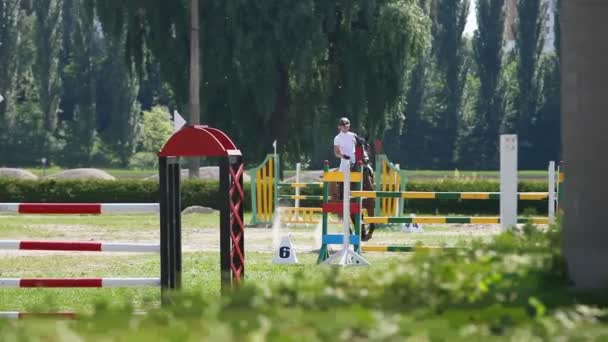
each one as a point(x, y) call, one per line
point(557, 177)
point(346, 211)
point(298, 188)
point(346, 257)
point(552, 192)
point(508, 180)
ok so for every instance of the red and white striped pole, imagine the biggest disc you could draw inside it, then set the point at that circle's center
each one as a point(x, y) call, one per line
point(78, 246)
point(77, 282)
point(50, 315)
point(79, 208)
point(22, 315)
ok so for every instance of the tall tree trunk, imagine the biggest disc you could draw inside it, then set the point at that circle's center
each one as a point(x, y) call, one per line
point(195, 105)
point(584, 73)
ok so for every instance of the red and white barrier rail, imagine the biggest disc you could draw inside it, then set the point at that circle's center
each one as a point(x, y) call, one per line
point(78, 282)
point(53, 315)
point(78, 246)
point(79, 208)
point(21, 315)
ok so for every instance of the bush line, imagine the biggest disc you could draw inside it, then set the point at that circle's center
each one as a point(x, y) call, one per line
point(206, 193)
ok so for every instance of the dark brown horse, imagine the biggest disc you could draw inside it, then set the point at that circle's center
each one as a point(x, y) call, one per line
point(336, 191)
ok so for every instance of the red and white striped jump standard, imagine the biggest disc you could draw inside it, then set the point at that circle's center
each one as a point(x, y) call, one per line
point(79, 208)
point(78, 246)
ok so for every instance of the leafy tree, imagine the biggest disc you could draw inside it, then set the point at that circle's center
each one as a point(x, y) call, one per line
point(449, 76)
point(153, 90)
point(256, 55)
point(546, 130)
point(79, 60)
point(156, 129)
point(371, 48)
point(48, 46)
point(9, 36)
point(547, 124)
point(529, 44)
point(557, 30)
point(9, 60)
point(482, 143)
point(23, 141)
point(407, 140)
point(118, 112)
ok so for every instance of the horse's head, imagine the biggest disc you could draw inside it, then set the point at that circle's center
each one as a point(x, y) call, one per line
point(362, 150)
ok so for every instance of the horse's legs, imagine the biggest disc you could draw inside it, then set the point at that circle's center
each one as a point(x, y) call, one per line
point(369, 207)
point(372, 227)
point(363, 231)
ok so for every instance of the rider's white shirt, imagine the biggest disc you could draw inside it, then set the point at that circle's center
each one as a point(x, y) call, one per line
point(346, 142)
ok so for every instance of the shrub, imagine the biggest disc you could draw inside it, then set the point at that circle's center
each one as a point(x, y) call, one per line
point(194, 192)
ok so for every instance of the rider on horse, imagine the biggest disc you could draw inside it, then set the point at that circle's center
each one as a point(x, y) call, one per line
point(352, 151)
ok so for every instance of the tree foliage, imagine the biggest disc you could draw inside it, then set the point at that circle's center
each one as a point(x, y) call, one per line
point(450, 68)
point(529, 45)
point(79, 73)
point(47, 38)
point(435, 96)
point(9, 36)
point(118, 112)
point(257, 55)
point(482, 141)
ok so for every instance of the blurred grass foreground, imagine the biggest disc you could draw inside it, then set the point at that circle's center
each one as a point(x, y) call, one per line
point(514, 288)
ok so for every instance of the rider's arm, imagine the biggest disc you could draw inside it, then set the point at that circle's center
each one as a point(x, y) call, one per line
point(337, 152)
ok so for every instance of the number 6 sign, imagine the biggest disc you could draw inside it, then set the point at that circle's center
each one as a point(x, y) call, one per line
point(286, 253)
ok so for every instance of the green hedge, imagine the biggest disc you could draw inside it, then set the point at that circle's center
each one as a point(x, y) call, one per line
point(206, 193)
point(445, 207)
point(470, 207)
point(194, 192)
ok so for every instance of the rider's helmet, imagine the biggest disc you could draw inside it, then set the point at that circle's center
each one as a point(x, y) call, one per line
point(344, 122)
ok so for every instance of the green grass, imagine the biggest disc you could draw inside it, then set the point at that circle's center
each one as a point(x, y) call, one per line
point(107, 221)
point(200, 274)
point(61, 226)
point(201, 269)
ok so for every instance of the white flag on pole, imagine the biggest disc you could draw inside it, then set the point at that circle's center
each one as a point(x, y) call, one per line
point(274, 146)
point(178, 121)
